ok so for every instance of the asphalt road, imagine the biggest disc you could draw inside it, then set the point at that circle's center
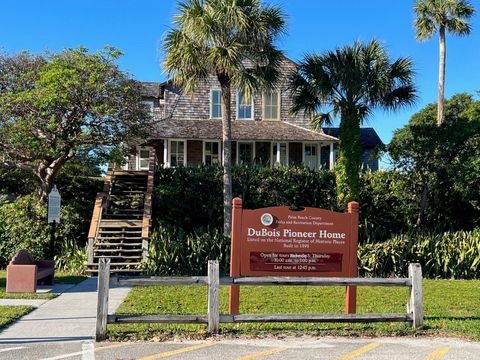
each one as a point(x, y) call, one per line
point(251, 349)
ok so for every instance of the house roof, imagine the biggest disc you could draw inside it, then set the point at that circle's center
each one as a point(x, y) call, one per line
point(368, 136)
point(152, 89)
point(241, 130)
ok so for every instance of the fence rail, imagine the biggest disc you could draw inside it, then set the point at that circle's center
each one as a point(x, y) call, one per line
point(213, 318)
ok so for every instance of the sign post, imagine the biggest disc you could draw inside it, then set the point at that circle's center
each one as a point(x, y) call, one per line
point(54, 201)
point(278, 241)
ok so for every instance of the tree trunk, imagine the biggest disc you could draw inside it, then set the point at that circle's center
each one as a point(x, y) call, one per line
point(347, 169)
point(47, 173)
point(441, 76)
point(227, 156)
point(423, 204)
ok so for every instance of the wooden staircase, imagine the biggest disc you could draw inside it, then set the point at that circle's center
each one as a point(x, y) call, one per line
point(120, 226)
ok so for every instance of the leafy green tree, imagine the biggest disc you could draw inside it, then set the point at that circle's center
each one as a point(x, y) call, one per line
point(444, 160)
point(351, 81)
point(233, 41)
point(442, 16)
point(54, 106)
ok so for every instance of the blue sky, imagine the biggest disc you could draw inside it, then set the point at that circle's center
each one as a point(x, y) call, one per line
point(137, 27)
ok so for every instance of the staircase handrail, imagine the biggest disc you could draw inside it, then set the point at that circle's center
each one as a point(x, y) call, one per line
point(100, 205)
point(147, 204)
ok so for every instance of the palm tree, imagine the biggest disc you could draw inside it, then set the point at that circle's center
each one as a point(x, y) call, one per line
point(351, 82)
point(233, 40)
point(441, 16)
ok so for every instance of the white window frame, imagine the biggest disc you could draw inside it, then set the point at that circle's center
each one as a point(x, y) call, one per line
point(238, 151)
point(211, 103)
point(317, 161)
point(169, 157)
point(138, 158)
point(150, 105)
point(252, 104)
point(275, 156)
point(264, 105)
point(220, 150)
point(332, 156)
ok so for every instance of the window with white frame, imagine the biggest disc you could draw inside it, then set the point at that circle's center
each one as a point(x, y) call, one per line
point(211, 152)
point(177, 153)
point(245, 153)
point(280, 153)
point(143, 157)
point(149, 105)
point(215, 104)
point(271, 105)
point(310, 157)
point(244, 106)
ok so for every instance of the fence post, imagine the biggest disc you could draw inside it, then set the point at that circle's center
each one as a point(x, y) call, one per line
point(235, 254)
point(416, 294)
point(351, 292)
point(102, 303)
point(213, 296)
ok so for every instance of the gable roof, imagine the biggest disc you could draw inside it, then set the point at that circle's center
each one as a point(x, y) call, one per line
point(154, 89)
point(369, 138)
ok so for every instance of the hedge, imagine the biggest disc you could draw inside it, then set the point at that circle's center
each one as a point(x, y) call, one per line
point(453, 255)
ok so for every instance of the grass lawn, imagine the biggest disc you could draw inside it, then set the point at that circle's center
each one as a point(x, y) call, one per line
point(11, 313)
point(452, 308)
point(59, 278)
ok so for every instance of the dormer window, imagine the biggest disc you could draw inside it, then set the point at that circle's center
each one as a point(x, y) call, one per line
point(215, 104)
point(244, 106)
point(271, 105)
point(149, 105)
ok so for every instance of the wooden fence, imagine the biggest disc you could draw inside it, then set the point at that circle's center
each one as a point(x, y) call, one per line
point(213, 318)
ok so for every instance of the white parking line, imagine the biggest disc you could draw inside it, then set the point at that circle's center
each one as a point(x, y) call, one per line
point(88, 351)
point(11, 349)
point(65, 356)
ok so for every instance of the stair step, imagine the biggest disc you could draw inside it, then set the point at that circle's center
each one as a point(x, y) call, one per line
point(117, 250)
point(119, 238)
point(123, 215)
point(130, 172)
point(117, 244)
point(117, 264)
point(128, 184)
point(119, 232)
point(120, 223)
point(116, 270)
point(129, 181)
point(128, 257)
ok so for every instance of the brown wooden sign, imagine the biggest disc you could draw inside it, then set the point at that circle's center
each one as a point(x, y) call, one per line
point(279, 241)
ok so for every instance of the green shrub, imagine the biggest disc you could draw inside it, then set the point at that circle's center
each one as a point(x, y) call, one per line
point(191, 198)
point(173, 252)
point(72, 258)
point(23, 225)
point(388, 205)
point(453, 255)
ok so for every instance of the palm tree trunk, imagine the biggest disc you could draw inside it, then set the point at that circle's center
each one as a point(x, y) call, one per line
point(441, 76)
point(227, 158)
point(347, 170)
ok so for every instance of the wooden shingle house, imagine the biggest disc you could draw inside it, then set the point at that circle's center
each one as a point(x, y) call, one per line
point(188, 128)
point(188, 132)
